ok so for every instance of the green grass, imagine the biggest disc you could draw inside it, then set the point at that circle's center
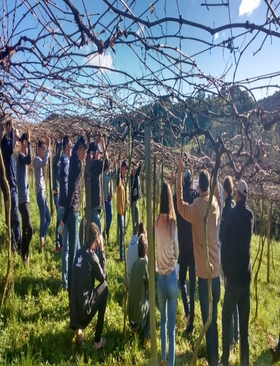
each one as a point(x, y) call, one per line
point(34, 324)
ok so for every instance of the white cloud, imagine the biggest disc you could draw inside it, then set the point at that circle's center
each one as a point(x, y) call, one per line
point(216, 35)
point(248, 6)
point(104, 60)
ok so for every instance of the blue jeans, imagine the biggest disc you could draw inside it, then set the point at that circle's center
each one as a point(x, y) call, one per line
point(167, 298)
point(236, 295)
point(45, 217)
point(15, 223)
point(65, 249)
point(187, 262)
point(109, 213)
point(95, 217)
point(74, 243)
point(212, 333)
point(121, 236)
point(57, 237)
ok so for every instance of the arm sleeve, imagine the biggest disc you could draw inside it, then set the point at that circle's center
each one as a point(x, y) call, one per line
point(99, 267)
point(8, 148)
point(138, 170)
point(41, 163)
point(187, 211)
point(119, 178)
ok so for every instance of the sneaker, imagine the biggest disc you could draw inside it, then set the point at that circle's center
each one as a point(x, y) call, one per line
point(220, 364)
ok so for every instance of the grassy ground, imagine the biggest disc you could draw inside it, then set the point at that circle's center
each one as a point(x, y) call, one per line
point(34, 324)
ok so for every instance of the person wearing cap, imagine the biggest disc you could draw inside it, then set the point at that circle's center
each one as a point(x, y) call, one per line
point(24, 159)
point(194, 213)
point(55, 189)
point(135, 194)
point(229, 203)
point(237, 267)
point(7, 147)
point(40, 162)
point(122, 202)
point(63, 187)
point(186, 256)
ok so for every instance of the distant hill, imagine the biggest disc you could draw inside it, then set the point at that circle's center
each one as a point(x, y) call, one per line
point(271, 103)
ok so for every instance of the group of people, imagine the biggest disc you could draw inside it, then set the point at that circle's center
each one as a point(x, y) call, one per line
point(179, 233)
point(182, 217)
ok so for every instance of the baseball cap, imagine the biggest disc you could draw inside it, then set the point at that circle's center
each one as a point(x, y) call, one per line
point(188, 176)
point(23, 137)
point(242, 187)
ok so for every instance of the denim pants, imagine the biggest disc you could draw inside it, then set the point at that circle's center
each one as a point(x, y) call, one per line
point(95, 217)
point(187, 262)
point(167, 298)
point(236, 295)
point(109, 213)
point(58, 239)
point(45, 217)
point(27, 229)
point(65, 249)
point(212, 333)
point(15, 223)
point(74, 243)
point(135, 216)
point(121, 236)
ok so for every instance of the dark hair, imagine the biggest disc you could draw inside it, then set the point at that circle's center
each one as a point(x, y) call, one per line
point(65, 142)
point(141, 229)
point(204, 181)
point(8, 123)
point(142, 246)
point(228, 185)
point(93, 233)
point(82, 143)
point(40, 143)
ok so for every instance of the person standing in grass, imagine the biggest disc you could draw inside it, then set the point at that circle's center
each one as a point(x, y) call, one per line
point(122, 202)
point(41, 161)
point(237, 267)
point(63, 185)
point(186, 256)
point(138, 297)
point(135, 194)
point(7, 148)
point(71, 213)
point(108, 188)
point(55, 188)
point(86, 298)
point(166, 257)
point(24, 159)
point(194, 213)
point(229, 203)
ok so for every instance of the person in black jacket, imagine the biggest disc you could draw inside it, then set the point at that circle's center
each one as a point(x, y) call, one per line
point(98, 166)
point(236, 262)
point(86, 298)
point(135, 191)
point(71, 213)
point(56, 190)
point(229, 203)
point(186, 256)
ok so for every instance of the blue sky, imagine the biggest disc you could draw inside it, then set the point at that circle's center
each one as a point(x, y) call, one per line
point(127, 58)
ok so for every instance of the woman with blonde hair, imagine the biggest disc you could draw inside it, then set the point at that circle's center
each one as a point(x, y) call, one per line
point(167, 254)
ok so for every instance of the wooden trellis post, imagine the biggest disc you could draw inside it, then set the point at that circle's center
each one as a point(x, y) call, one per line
point(269, 242)
point(151, 251)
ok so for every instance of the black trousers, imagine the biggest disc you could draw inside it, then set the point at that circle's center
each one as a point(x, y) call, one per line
point(27, 229)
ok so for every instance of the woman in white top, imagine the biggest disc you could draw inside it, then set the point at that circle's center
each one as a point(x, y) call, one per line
point(167, 254)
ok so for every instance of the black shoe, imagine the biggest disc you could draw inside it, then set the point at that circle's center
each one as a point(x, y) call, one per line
point(190, 328)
